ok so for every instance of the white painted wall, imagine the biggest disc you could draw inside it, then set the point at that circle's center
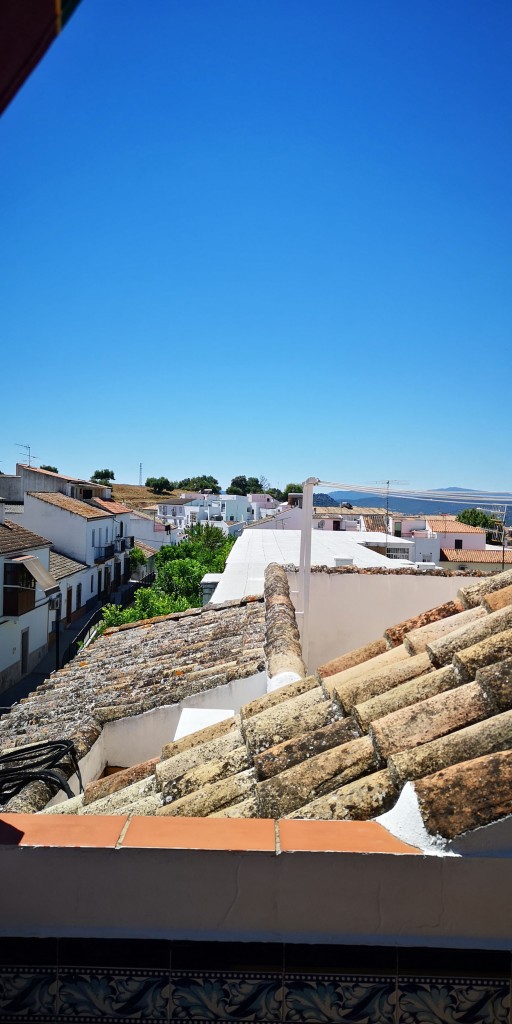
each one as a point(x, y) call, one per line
point(69, 533)
point(152, 532)
point(348, 610)
point(138, 738)
point(135, 739)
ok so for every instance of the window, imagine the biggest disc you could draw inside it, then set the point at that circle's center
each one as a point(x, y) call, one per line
point(398, 553)
point(106, 535)
point(398, 530)
point(458, 544)
point(19, 589)
point(99, 535)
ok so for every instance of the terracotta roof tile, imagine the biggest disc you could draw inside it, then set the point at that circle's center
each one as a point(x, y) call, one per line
point(79, 508)
point(297, 753)
point(467, 556)
point(440, 524)
point(14, 537)
point(62, 566)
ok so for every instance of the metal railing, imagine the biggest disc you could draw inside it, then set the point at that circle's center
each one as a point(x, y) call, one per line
point(103, 552)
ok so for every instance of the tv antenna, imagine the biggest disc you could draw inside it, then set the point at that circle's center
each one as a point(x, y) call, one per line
point(387, 484)
point(28, 450)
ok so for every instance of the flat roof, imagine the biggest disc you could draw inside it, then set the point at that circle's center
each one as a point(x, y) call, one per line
point(255, 549)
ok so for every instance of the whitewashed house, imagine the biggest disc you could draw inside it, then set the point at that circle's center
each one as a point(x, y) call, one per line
point(262, 505)
point(26, 592)
point(87, 534)
point(34, 479)
point(148, 529)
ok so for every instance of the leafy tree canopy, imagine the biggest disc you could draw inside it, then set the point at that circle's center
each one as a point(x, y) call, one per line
point(199, 483)
point(137, 557)
point(159, 484)
point(180, 568)
point(102, 476)
point(293, 489)
point(247, 485)
point(476, 517)
point(50, 469)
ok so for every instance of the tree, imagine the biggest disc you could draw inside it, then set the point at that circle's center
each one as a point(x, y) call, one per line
point(49, 469)
point(102, 476)
point(159, 484)
point(292, 489)
point(275, 493)
point(247, 485)
point(476, 517)
point(200, 483)
point(137, 558)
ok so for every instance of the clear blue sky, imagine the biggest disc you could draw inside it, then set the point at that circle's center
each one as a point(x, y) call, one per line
point(263, 237)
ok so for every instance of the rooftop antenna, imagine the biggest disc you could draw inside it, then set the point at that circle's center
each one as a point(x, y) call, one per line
point(28, 450)
point(140, 474)
point(388, 483)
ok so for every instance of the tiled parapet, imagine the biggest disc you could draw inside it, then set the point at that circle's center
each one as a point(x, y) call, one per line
point(92, 980)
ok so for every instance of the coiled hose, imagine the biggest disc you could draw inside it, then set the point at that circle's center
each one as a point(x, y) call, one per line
point(38, 763)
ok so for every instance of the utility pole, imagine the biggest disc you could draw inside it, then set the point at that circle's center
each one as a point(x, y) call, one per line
point(140, 474)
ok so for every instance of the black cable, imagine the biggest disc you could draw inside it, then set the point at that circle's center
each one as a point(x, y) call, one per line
point(41, 762)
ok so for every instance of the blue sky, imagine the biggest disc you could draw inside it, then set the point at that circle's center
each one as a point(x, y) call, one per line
point(262, 237)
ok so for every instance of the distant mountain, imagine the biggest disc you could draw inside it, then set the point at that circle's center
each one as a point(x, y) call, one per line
point(324, 499)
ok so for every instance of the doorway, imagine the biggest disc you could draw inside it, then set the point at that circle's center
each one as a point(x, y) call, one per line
point(69, 604)
point(24, 652)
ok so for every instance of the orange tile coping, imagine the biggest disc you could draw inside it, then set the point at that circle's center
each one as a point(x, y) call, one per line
point(237, 834)
point(255, 834)
point(93, 830)
point(298, 836)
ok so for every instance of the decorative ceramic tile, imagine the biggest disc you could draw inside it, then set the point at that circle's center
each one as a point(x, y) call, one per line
point(350, 999)
point(452, 1001)
point(29, 993)
point(229, 996)
point(113, 995)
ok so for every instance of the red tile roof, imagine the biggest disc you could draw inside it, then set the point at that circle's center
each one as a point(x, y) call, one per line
point(495, 557)
point(115, 507)
point(79, 508)
point(442, 524)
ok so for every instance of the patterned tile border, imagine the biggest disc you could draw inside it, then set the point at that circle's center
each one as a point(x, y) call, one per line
point(52, 992)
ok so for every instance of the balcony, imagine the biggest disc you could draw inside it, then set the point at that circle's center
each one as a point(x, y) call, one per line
point(130, 542)
point(102, 553)
point(19, 590)
point(18, 600)
point(120, 545)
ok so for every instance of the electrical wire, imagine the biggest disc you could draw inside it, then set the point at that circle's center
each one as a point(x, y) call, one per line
point(41, 762)
point(450, 497)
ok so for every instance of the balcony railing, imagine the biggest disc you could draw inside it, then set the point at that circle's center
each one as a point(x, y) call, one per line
point(120, 544)
point(102, 553)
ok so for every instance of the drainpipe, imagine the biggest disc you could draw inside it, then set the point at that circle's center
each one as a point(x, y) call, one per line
point(305, 563)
